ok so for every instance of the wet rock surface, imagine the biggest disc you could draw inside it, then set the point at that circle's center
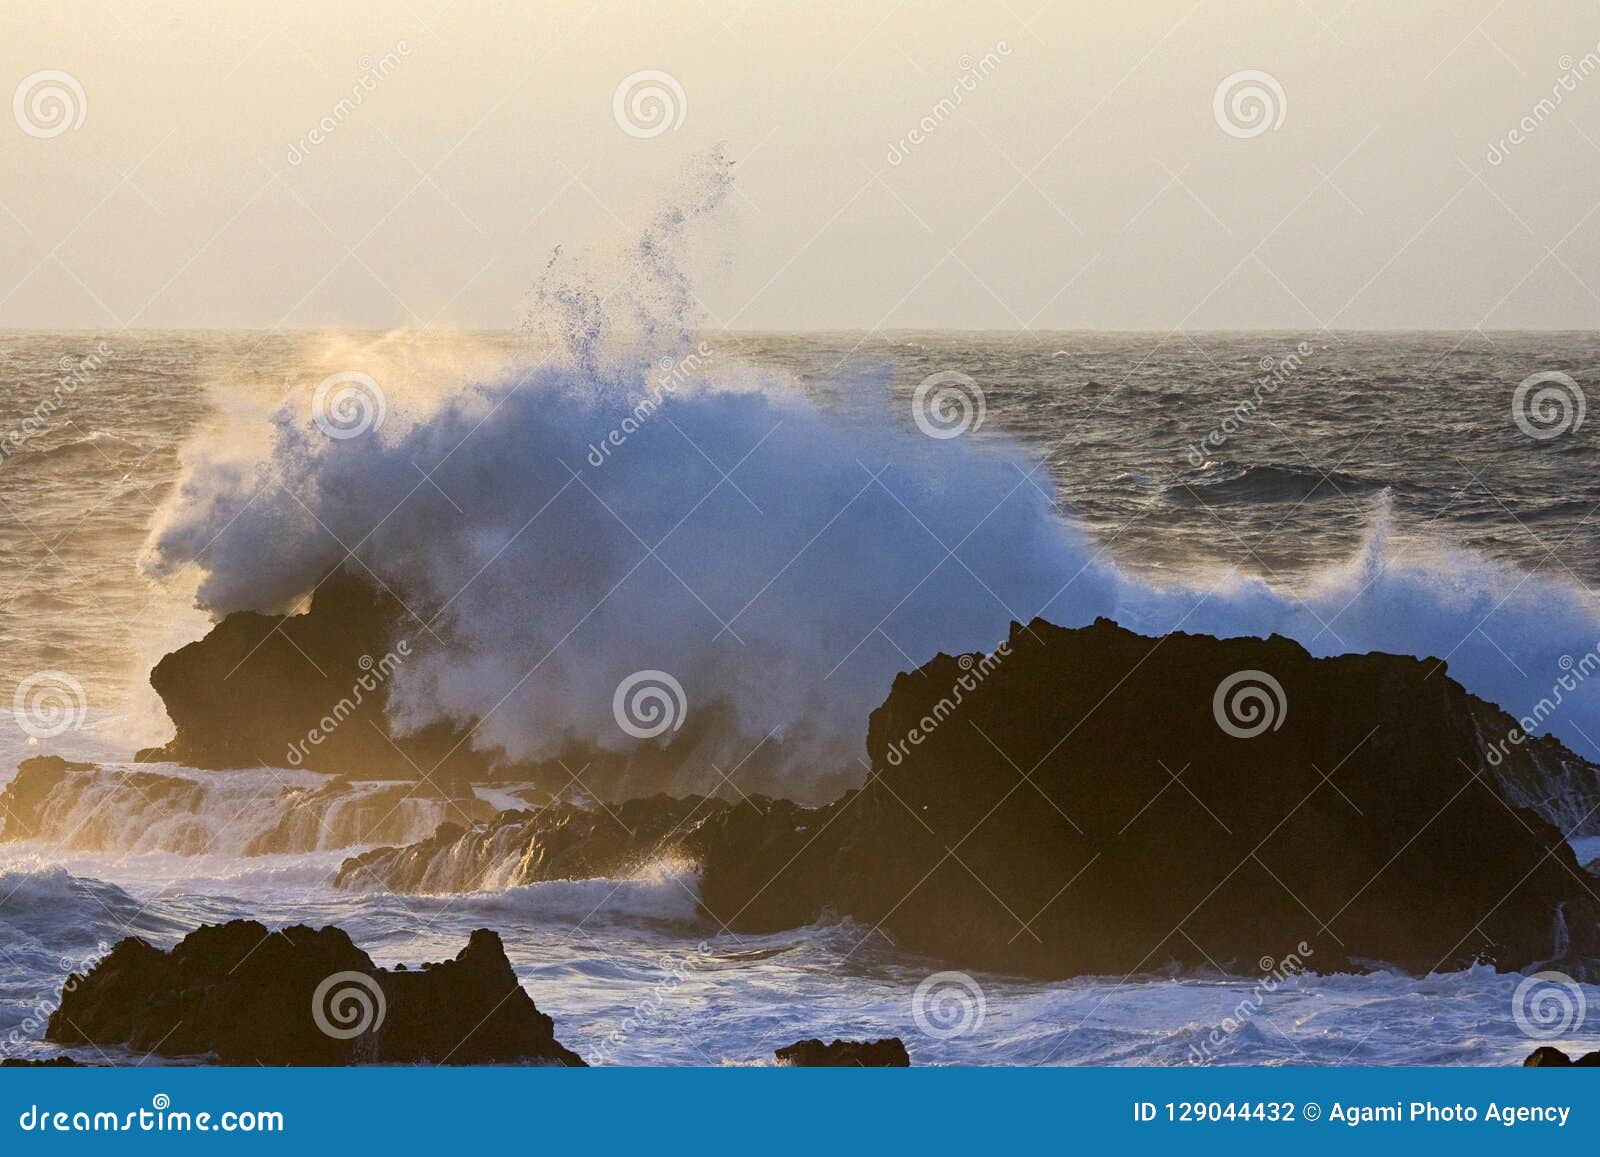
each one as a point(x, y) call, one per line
point(887, 1053)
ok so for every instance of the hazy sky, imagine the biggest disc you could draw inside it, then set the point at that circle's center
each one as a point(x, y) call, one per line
point(1081, 176)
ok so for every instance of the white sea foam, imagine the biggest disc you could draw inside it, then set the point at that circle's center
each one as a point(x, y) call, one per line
point(164, 808)
point(783, 597)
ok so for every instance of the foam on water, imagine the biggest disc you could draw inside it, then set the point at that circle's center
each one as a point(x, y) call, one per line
point(784, 600)
point(164, 808)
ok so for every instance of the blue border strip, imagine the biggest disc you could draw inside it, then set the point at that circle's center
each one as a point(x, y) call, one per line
point(654, 1111)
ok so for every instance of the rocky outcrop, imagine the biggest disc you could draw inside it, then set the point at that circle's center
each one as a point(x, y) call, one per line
point(307, 690)
point(1549, 1057)
point(1079, 809)
point(1083, 810)
point(843, 1054)
point(562, 841)
point(303, 996)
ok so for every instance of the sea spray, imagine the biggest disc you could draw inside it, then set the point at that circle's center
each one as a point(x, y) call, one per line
point(781, 561)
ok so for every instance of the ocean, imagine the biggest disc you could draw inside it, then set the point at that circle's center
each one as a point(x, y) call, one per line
point(1357, 491)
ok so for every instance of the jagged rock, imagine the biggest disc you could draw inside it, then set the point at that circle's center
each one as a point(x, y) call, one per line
point(1079, 810)
point(62, 1062)
point(887, 1053)
point(1083, 811)
point(298, 996)
point(1549, 1057)
point(562, 841)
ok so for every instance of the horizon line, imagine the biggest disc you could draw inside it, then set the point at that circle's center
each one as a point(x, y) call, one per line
point(797, 332)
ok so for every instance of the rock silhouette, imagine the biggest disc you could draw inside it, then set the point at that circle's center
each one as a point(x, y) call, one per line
point(1081, 810)
point(303, 996)
point(887, 1053)
point(1549, 1057)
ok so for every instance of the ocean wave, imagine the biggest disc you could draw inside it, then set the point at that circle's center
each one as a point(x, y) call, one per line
point(1228, 481)
point(664, 891)
point(53, 923)
point(619, 514)
point(95, 440)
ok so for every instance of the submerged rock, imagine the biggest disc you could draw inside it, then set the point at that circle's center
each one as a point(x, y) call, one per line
point(303, 996)
point(887, 1053)
point(1072, 805)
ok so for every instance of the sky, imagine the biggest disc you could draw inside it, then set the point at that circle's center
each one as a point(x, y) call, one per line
point(899, 165)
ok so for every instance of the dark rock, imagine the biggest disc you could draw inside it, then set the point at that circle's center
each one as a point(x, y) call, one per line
point(62, 1062)
point(887, 1053)
point(252, 691)
point(1547, 1057)
point(249, 996)
point(256, 688)
point(561, 841)
point(1079, 810)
